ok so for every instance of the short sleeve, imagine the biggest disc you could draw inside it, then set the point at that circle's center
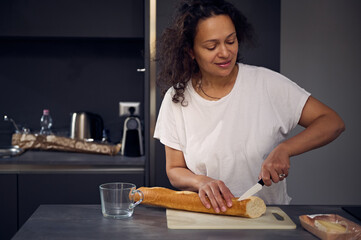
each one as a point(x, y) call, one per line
point(165, 128)
point(287, 99)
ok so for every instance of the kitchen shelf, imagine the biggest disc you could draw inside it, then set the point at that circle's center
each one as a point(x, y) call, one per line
point(66, 162)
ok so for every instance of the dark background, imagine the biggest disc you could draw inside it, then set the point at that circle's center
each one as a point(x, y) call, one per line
point(85, 59)
point(321, 51)
point(83, 56)
point(69, 56)
point(75, 55)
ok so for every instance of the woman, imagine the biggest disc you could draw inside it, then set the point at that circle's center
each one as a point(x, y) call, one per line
point(223, 123)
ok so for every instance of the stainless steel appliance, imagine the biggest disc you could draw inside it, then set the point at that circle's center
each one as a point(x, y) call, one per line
point(87, 126)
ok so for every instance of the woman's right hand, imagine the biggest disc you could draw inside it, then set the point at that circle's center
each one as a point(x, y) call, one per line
point(214, 193)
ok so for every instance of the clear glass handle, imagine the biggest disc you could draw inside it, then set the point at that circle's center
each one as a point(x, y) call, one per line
point(141, 197)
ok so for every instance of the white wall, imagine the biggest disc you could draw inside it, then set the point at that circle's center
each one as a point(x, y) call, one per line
point(321, 51)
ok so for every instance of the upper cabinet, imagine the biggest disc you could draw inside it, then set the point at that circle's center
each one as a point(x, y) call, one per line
point(72, 18)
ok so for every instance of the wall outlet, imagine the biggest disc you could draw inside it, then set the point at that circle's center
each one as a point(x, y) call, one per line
point(125, 106)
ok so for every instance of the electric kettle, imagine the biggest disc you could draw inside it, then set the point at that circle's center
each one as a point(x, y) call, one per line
point(87, 126)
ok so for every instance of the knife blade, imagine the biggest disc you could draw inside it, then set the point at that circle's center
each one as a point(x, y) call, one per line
point(256, 188)
point(250, 192)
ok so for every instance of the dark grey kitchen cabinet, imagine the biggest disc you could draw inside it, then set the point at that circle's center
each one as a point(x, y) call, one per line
point(72, 18)
point(70, 188)
point(8, 205)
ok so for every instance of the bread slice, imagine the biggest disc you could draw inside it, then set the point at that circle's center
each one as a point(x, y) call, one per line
point(330, 227)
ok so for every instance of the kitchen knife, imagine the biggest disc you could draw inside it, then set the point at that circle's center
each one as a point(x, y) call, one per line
point(250, 192)
point(253, 190)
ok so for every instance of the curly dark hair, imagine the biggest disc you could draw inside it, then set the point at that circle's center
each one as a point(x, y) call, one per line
point(176, 67)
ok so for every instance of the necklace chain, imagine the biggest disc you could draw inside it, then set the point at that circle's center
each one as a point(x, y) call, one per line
point(200, 87)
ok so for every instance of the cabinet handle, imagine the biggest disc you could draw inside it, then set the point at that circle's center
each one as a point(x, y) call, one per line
point(141, 70)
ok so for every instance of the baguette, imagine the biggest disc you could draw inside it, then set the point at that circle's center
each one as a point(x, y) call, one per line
point(252, 207)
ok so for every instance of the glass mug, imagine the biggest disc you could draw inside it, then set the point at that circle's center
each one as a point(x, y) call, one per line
point(117, 199)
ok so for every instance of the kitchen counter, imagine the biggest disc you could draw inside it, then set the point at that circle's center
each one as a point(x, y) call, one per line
point(53, 177)
point(56, 161)
point(87, 222)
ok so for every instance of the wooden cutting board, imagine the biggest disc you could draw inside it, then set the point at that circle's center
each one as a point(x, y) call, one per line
point(274, 218)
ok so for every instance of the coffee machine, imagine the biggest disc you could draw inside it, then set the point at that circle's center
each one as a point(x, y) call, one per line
point(132, 142)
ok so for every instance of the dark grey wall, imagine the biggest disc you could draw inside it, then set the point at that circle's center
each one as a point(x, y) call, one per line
point(265, 17)
point(321, 51)
point(67, 75)
point(72, 18)
point(69, 56)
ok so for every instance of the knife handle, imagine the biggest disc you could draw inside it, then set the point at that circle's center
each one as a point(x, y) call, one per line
point(262, 183)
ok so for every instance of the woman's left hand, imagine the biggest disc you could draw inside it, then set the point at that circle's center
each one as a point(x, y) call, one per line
point(275, 167)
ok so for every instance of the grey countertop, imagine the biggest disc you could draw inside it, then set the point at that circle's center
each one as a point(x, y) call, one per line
point(87, 222)
point(40, 161)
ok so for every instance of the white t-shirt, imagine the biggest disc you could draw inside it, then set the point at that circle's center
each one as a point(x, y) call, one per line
point(229, 139)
